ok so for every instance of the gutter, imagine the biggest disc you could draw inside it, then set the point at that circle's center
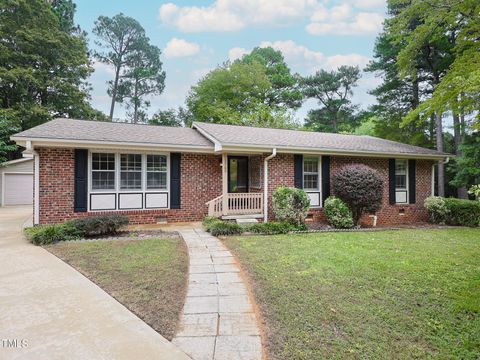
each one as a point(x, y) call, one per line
point(265, 183)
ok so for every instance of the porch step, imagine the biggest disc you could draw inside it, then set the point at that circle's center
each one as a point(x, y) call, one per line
point(246, 221)
point(247, 216)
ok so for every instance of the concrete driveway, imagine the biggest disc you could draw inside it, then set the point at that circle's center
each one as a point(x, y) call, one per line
point(48, 310)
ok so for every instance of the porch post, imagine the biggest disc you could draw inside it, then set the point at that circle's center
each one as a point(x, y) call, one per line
point(224, 184)
point(265, 183)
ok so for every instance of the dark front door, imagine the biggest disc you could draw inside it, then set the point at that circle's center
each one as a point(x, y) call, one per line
point(237, 174)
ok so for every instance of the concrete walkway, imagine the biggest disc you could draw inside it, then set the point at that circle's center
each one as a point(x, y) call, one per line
point(218, 320)
point(50, 311)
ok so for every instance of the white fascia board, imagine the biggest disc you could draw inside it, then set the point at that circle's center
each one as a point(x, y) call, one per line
point(217, 144)
point(334, 152)
point(67, 143)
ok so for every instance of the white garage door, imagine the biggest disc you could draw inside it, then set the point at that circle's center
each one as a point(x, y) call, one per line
point(18, 189)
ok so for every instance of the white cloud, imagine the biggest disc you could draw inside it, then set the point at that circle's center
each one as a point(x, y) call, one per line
point(369, 4)
point(233, 15)
point(236, 53)
point(341, 21)
point(176, 48)
point(307, 61)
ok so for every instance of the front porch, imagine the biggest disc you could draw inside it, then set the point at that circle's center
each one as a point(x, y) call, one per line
point(243, 194)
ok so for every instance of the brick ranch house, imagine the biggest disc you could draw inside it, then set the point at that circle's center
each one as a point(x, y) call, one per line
point(155, 174)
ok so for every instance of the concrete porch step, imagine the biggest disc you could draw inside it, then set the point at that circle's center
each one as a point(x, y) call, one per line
point(247, 216)
point(246, 221)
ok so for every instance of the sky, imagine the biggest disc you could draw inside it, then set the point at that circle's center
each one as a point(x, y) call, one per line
point(197, 36)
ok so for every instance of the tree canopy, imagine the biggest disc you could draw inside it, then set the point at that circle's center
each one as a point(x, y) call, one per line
point(43, 67)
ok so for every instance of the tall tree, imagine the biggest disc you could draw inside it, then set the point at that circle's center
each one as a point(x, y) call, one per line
point(143, 76)
point(168, 117)
point(333, 90)
point(43, 68)
point(236, 94)
point(118, 38)
point(285, 91)
point(396, 97)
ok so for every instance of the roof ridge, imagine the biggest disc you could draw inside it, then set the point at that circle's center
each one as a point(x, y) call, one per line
point(119, 122)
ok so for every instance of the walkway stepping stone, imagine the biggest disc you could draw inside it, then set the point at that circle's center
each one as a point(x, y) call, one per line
point(218, 321)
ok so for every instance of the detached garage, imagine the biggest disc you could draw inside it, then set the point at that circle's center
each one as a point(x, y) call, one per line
point(16, 182)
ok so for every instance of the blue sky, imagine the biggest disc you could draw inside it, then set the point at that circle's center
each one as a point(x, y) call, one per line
point(196, 36)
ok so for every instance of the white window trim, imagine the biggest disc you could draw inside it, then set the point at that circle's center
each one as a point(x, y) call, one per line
point(319, 181)
point(406, 189)
point(117, 189)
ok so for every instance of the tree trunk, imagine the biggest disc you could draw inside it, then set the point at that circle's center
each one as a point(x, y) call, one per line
point(458, 134)
point(135, 103)
point(431, 129)
point(441, 165)
point(114, 92)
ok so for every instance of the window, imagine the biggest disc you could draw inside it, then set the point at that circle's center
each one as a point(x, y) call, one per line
point(103, 171)
point(130, 171)
point(401, 185)
point(310, 173)
point(156, 172)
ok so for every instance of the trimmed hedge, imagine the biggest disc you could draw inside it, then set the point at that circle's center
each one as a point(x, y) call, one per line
point(463, 212)
point(219, 227)
point(76, 229)
point(222, 228)
point(100, 225)
point(453, 211)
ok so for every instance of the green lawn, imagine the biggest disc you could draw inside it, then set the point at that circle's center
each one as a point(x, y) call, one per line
point(147, 276)
point(388, 295)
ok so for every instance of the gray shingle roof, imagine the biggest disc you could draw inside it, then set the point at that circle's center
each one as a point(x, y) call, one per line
point(83, 130)
point(282, 138)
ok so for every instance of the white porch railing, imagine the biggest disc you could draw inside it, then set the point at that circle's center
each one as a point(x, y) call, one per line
point(215, 206)
point(237, 204)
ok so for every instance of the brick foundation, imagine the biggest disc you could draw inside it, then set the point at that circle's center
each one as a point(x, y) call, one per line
point(201, 181)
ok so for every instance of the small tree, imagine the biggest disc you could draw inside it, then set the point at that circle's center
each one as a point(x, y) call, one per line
point(291, 205)
point(360, 187)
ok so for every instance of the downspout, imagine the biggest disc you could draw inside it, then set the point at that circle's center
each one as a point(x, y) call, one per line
point(36, 179)
point(265, 183)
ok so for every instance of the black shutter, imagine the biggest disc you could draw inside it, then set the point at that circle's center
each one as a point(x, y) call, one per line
point(298, 171)
point(391, 181)
point(411, 181)
point(175, 180)
point(325, 178)
point(80, 181)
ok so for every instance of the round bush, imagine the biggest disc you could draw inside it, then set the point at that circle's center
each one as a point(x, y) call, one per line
point(338, 214)
point(290, 205)
point(360, 187)
point(437, 209)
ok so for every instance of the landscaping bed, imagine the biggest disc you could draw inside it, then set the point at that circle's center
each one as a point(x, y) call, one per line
point(148, 276)
point(390, 294)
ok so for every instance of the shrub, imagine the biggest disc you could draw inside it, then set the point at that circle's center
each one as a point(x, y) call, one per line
point(290, 205)
point(100, 225)
point(219, 228)
point(360, 187)
point(475, 191)
point(437, 209)
point(463, 212)
point(338, 214)
point(48, 234)
point(209, 221)
point(275, 227)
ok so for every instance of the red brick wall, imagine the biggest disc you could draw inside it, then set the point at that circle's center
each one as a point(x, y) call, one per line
point(391, 214)
point(200, 182)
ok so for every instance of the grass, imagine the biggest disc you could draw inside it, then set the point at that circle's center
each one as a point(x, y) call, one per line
point(148, 276)
point(377, 295)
